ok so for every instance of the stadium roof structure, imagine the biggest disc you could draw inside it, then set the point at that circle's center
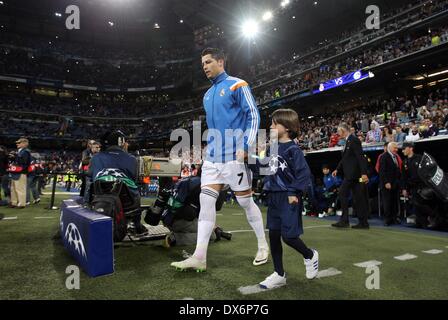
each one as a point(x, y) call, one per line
point(298, 23)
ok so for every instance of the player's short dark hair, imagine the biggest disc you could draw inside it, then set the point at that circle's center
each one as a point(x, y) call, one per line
point(216, 53)
point(289, 119)
point(326, 166)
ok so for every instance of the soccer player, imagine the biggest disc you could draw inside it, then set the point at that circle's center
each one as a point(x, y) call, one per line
point(229, 107)
point(290, 176)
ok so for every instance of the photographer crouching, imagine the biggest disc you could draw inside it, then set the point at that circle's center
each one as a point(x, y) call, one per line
point(178, 208)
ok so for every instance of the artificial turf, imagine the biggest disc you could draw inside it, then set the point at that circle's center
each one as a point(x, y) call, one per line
point(32, 265)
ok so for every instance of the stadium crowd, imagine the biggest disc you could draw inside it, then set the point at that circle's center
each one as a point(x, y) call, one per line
point(406, 118)
point(309, 75)
point(391, 21)
point(95, 105)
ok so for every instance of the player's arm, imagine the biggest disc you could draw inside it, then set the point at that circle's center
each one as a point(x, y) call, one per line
point(247, 102)
point(301, 172)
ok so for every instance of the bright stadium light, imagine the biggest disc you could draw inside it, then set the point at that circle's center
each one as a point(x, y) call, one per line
point(250, 29)
point(268, 15)
point(284, 3)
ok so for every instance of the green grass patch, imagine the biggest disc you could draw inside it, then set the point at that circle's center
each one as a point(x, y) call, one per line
point(32, 265)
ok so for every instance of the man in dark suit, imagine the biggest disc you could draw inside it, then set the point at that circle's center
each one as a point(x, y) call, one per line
point(390, 176)
point(354, 168)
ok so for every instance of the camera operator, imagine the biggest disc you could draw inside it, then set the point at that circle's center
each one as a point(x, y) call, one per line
point(114, 163)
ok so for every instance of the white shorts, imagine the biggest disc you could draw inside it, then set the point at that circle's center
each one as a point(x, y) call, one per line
point(235, 174)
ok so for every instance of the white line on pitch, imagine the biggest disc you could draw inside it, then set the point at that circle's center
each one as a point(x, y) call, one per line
point(60, 193)
point(433, 251)
point(366, 264)
point(310, 227)
point(237, 214)
point(406, 257)
point(44, 217)
point(331, 272)
point(252, 289)
point(10, 218)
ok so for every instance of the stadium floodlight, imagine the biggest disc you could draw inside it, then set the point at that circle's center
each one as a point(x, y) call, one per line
point(284, 3)
point(1, 3)
point(268, 15)
point(57, 14)
point(250, 29)
point(110, 23)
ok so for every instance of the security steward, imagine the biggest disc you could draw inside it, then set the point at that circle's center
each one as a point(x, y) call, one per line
point(412, 183)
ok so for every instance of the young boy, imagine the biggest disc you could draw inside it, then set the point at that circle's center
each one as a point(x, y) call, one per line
point(289, 177)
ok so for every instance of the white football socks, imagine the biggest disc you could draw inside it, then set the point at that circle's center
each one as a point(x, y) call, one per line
point(206, 223)
point(254, 218)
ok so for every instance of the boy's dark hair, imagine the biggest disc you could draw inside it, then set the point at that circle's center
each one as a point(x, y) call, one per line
point(216, 53)
point(289, 119)
point(325, 166)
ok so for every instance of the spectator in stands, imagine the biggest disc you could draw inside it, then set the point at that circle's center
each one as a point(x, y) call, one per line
point(445, 120)
point(361, 137)
point(438, 118)
point(413, 113)
point(423, 113)
point(413, 134)
point(394, 121)
point(388, 134)
point(428, 129)
point(374, 135)
point(400, 136)
point(365, 124)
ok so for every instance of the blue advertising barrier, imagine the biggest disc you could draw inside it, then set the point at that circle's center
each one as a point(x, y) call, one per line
point(88, 237)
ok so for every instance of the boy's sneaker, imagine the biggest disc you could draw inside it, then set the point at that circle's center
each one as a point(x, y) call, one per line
point(261, 257)
point(312, 265)
point(190, 263)
point(36, 201)
point(273, 281)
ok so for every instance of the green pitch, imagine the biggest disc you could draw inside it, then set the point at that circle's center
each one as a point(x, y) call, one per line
point(32, 266)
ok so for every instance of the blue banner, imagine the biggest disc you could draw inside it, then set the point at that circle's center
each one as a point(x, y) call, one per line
point(346, 79)
point(88, 237)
